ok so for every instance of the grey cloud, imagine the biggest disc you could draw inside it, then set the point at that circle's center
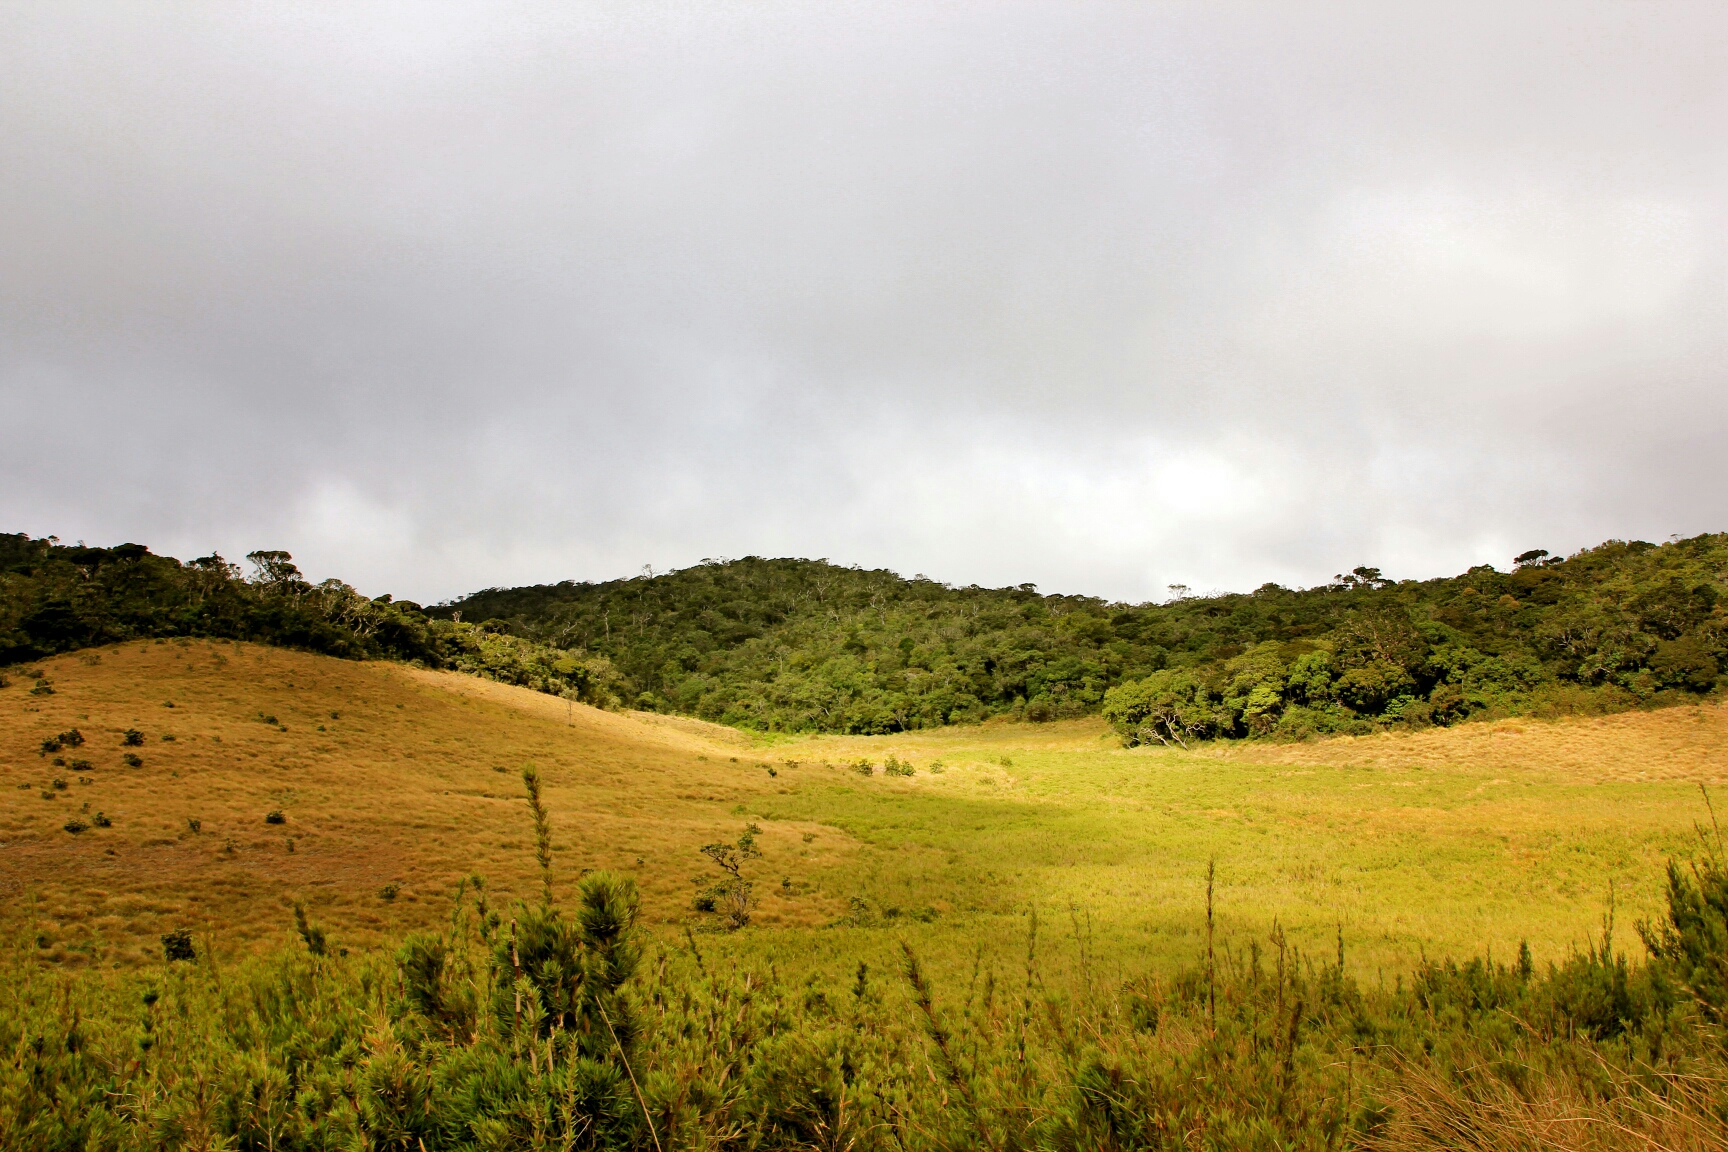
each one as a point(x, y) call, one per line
point(1103, 297)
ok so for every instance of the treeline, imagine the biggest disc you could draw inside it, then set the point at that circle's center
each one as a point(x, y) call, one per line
point(804, 645)
point(58, 598)
point(539, 1025)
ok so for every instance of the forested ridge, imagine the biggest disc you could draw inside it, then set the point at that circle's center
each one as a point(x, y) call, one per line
point(60, 598)
point(805, 645)
point(798, 645)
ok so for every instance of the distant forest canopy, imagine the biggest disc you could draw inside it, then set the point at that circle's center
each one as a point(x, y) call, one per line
point(804, 645)
point(60, 598)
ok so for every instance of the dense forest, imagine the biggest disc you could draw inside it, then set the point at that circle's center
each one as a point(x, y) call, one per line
point(804, 645)
point(59, 598)
point(798, 645)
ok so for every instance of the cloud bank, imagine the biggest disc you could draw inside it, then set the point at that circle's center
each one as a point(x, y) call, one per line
point(1102, 297)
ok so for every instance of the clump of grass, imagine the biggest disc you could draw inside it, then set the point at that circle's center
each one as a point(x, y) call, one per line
point(937, 767)
point(275, 817)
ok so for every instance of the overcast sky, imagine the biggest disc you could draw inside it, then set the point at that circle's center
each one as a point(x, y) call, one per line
point(1103, 297)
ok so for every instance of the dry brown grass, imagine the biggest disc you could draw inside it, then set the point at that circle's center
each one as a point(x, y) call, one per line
point(414, 781)
point(1685, 743)
point(1445, 842)
point(1666, 1113)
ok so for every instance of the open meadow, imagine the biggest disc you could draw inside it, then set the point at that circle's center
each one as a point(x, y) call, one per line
point(392, 783)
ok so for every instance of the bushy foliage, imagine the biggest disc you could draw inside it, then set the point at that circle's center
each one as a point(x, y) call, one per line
point(55, 598)
point(803, 645)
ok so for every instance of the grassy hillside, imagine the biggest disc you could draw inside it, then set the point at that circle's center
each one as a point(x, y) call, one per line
point(1435, 842)
point(801, 645)
point(972, 937)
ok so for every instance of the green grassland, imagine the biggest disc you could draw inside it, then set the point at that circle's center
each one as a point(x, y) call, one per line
point(1002, 943)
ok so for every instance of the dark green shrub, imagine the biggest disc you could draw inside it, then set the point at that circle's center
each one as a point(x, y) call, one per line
point(50, 745)
point(81, 766)
point(863, 767)
point(71, 738)
point(389, 892)
point(177, 945)
point(194, 825)
point(101, 821)
point(132, 760)
point(132, 738)
point(75, 826)
point(59, 783)
point(42, 688)
point(317, 942)
point(275, 817)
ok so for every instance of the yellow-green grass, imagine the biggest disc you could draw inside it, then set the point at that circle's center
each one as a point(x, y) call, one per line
point(1447, 842)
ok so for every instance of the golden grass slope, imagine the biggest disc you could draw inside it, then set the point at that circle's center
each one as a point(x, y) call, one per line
point(1447, 841)
point(385, 775)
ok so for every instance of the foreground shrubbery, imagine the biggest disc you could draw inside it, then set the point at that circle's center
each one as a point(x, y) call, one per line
point(540, 1026)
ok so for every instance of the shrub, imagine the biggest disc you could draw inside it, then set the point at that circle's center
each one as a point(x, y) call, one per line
point(894, 766)
point(59, 783)
point(387, 893)
point(50, 745)
point(42, 688)
point(863, 767)
point(194, 825)
point(101, 821)
point(177, 945)
point(71, 738)
point(317, 942)
point(275, 817)
point(132, 738)
point(132, 760)
point(75, 826)
point(82, 766)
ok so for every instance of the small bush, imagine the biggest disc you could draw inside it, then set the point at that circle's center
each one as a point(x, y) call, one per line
point(275, 817)
point(894, 766)
point(50, 745)
point(194, 825)
point(43, 688)
point(75, 826)
point(263, 719)
point(167, 736)
point(864, 768)
point(177, 945)
point(388, 893)
point(4, 682)
point(72, 738)
point(101, 821)
point(937, 768)
point(132, 760)
point(132, 738)
point(82, 766)
point(59, 783)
